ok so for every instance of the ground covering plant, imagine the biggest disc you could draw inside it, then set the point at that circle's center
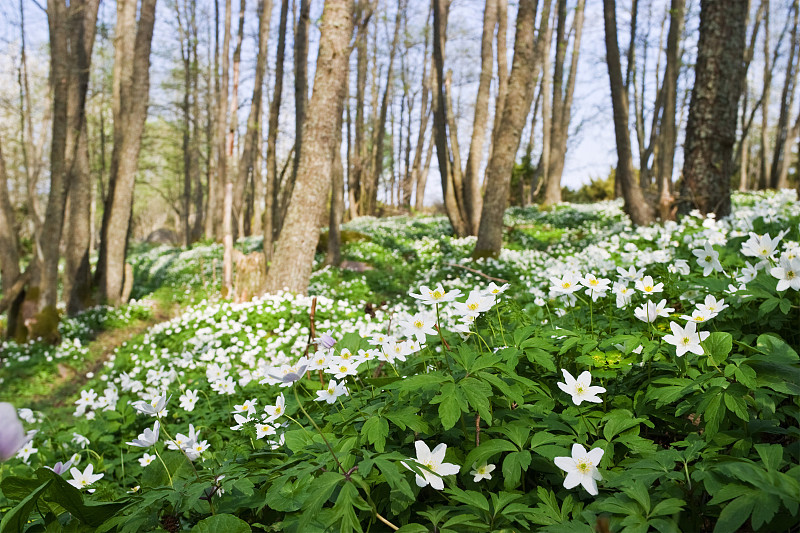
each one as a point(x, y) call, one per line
point(595, 376)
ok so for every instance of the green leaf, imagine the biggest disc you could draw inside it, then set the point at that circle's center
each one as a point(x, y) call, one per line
point(718, 345)
point(344, 508)
point(221, 523)
point(17, 518)
point(376, 429)
point(735, 514)
point(514, 465)
point(488, 448)
point(713, 414)
point(285, 495)
point(736, 405)
point(771, 455)
point(502, 386)
point(617, 421)
point(470, 497)
point(477, 394)
point(413, 528)
point(785, 306)
point(451, 403)
point(639, 492)
point(397, 482)
point(667, 507)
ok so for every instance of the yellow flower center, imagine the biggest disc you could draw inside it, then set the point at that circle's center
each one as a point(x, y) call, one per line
point(473, 306)
point(686, 340)
point(419, 324)
point(566, 285)
point(584, 466)
point(648, 288)
point(790, 274)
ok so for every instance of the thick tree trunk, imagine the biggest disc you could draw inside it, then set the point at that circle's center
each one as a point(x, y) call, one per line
point(711, 129)
point(253, 134)
point(272, 138)
point(77, 271)
point(669, 131)
point(334, 252)
point(515, 112)
point(766, 84)
point(472, 182)
point(635, 205)
point(131, 111)
point(291, 267)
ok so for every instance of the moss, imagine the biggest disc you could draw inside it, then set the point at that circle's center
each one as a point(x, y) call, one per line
point(45, 325)
point(346, 236)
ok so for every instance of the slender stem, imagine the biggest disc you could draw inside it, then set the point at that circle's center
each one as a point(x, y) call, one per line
point(328, 444)
point(502, 331)
point(164, 465)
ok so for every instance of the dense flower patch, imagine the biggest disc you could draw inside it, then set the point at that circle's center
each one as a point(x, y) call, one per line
point(635, 379)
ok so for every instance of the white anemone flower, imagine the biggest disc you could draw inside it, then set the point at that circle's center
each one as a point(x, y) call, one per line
point(686, 339)
point(580, 389)
point(581, 468)
point(433, 461)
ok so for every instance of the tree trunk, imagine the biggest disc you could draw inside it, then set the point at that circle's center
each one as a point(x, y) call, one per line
point(635, 205)
point(371, 193)
point(454, 211)
point(763, 174)
point(130, 104)
point(291, 267)
point(334, 253)
point(222, 126)
point(424, 115)
point(77, 271)
point(272, 138)
point(778, 172)
point(711, 129)
point(227, 242)
point(9, 244)
point(502, 70)
point(355, 180)
point(562, 98)
point(669, 131)
point(300, 103)
point(472, 182)
point(253, 133)
point(515, 112)
point(233, 111)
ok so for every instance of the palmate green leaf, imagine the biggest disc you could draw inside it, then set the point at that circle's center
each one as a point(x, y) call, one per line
point(718, 345)
point(668, 507)
point(407, 417)
point(451, 403)
point(713, 415)
point(736, 405)
point(639, 492)
point(344, 508)
point(469, 497)
point(477, 394)
point(71, 499)
point(771, 455)
point(497, 382)
point(396, 481)
point(221, 523)
point(514, 465)
point(376, 429)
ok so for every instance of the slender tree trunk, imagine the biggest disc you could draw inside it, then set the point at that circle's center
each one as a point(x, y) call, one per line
point(472, 182)
point(635, 205)
point(222, 125)
point(233, 111)
point(356, 178)
point(668, 127)
point(300, 103)
point(502, 70)
point(371, 195)
point(711, 130)
point(515, 112)
point(454, 211)
point(334, 253)
point(272, 137)
point(131, 101)
point(422, 180)
point(253, 134)
point(778, 172)
point(291, 267)
point(9, 243)
point(424, 115)
point(763, 175)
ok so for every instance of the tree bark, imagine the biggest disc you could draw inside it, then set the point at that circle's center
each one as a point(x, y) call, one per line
point(371, 192)
point(502, 70)
point(562, 98)
point(272, 138)
point(669, 132)
point(334, 252)
point(515, 112)
point(453, 209)
point(638, 209)
point(9, 243)
point(472, 182)
point(778, 172)
point(711, 128)
point(233, 111)
point(355, 180)
point(291, 267)
point(132, 85)
point(253, 133)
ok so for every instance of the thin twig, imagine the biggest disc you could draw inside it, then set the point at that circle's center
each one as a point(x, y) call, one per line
point(477, 430)
point(382, 519)
point(478, 272)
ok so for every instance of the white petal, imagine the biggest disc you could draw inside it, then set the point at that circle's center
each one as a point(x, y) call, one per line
point(578, 451)
point(566, 464)
point(437, 455)
point(590, 485)
point(595, 455)
point(423, 452)
point(572, 480)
